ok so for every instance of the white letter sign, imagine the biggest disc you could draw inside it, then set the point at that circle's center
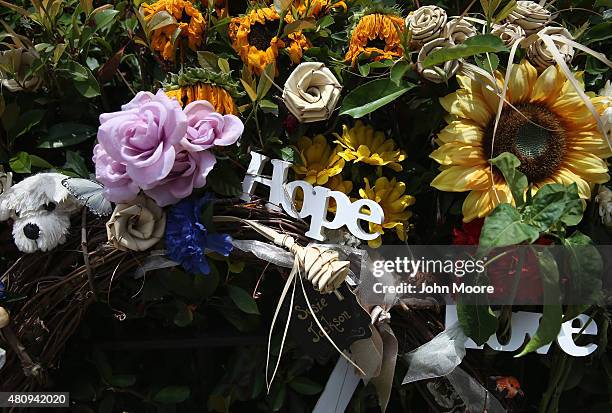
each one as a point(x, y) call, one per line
point(315, 203)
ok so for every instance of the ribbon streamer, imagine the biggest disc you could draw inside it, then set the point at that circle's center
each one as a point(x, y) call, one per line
point(321, 266)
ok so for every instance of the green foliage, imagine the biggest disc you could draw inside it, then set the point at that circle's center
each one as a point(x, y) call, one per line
point(476, 45)
point(371, 96)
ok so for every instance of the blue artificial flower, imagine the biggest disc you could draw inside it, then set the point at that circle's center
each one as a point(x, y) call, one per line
point(2, 291)
point(187, 240)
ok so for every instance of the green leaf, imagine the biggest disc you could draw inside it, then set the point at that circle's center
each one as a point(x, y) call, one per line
point(84, 80)
point(208, 60)
point(489, 63)
point(159, 20)
point(224, 180)
point(554, 203)
point(505, 12)
point(172, 395)
point(236, 267)
point(122, 380)
point(550, 323)
point(398, 70)
point(66, 134)
point(371, 96)
point(242, 299)
point(21, 163)
point(105, 18)
point(484, 43)
point(304, 385)
point(26, 122)
point(265, 80)
point(76, 163)
point(598, 33)
point(39, 162)
point(478, 322)
point(508, 164)
point(504, 227)
point(268, 106)
point(183, 316)
point(586, 265)
point(364, 69)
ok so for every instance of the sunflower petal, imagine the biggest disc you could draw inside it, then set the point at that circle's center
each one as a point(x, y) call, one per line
point(462, 178)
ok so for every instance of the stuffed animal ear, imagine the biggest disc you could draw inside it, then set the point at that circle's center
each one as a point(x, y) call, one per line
point(7, 209)
point(55, 190)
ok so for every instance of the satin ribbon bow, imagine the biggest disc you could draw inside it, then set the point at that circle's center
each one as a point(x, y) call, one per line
point(319, 265)
point(378, 355)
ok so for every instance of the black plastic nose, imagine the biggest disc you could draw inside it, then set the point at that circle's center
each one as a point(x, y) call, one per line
point(31, 231)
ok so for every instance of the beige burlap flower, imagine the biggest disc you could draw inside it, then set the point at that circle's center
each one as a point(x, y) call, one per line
point(530, 16)
point(4, 317)
point(604, 199)
point(311, 92)
point(14, 67)
point(425, 24)
point(538, 52)
point(459, 30)
point(137, 225)
point(6, 180)
point(440, 73)
point(509, 33)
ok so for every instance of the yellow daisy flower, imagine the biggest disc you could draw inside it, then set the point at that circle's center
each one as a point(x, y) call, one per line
point(548, 128)
point(189, 21)
point(254, 38)
point(390, 196)
point(376, 35)
point(319, 161)
point(362, 143)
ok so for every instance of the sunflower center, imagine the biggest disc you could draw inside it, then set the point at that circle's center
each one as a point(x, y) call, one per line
point(261, 35)
point(533, 134)
point(377, 43)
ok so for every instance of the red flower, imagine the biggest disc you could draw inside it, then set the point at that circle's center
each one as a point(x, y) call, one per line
point(502, 271)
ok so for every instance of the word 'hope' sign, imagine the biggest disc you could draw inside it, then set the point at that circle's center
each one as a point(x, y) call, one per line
point(315, 203)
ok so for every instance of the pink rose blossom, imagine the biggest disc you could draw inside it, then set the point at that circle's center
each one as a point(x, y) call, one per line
point(207, 128)
point(142, 136)
point(189, 172)
point(154, 145)
point(118, 187)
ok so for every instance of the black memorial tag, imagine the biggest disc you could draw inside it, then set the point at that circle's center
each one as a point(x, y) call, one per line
point(345, 321)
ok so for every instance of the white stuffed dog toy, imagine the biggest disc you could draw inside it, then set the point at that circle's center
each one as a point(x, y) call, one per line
point(40, 207)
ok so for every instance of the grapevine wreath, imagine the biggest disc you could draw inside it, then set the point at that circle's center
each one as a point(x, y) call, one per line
point(200, 202)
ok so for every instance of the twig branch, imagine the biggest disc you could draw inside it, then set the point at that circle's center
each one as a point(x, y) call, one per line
point(90, 277)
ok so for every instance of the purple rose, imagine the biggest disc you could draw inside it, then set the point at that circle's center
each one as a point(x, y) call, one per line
point(142, 136)
point(188, 172)
point(118, 187)
point(207, 128)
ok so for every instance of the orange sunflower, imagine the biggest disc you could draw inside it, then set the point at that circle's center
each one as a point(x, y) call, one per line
point(546, 126)
point(187, 19)
point(376, 36)
point(255, 38)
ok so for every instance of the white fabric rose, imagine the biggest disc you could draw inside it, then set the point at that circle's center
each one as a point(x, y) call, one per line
point(425, 24)
point(311, 92)
point(442, 72)
point(530, 16)
point(604, 198)
point(459, 30)
point(509, 33)
point(6, 180)
point(606, 116)
point(16, 64)
point(538, 52)
point(137, 225)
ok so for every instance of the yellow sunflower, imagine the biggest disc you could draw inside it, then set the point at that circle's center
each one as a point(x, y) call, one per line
point(376, 36)
point(390, 196)
point(197, 83)
point(189, 21)
point(218, 97)
point(362, 143)
point(547, 127)
point(254, 38)
point(319, 161)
